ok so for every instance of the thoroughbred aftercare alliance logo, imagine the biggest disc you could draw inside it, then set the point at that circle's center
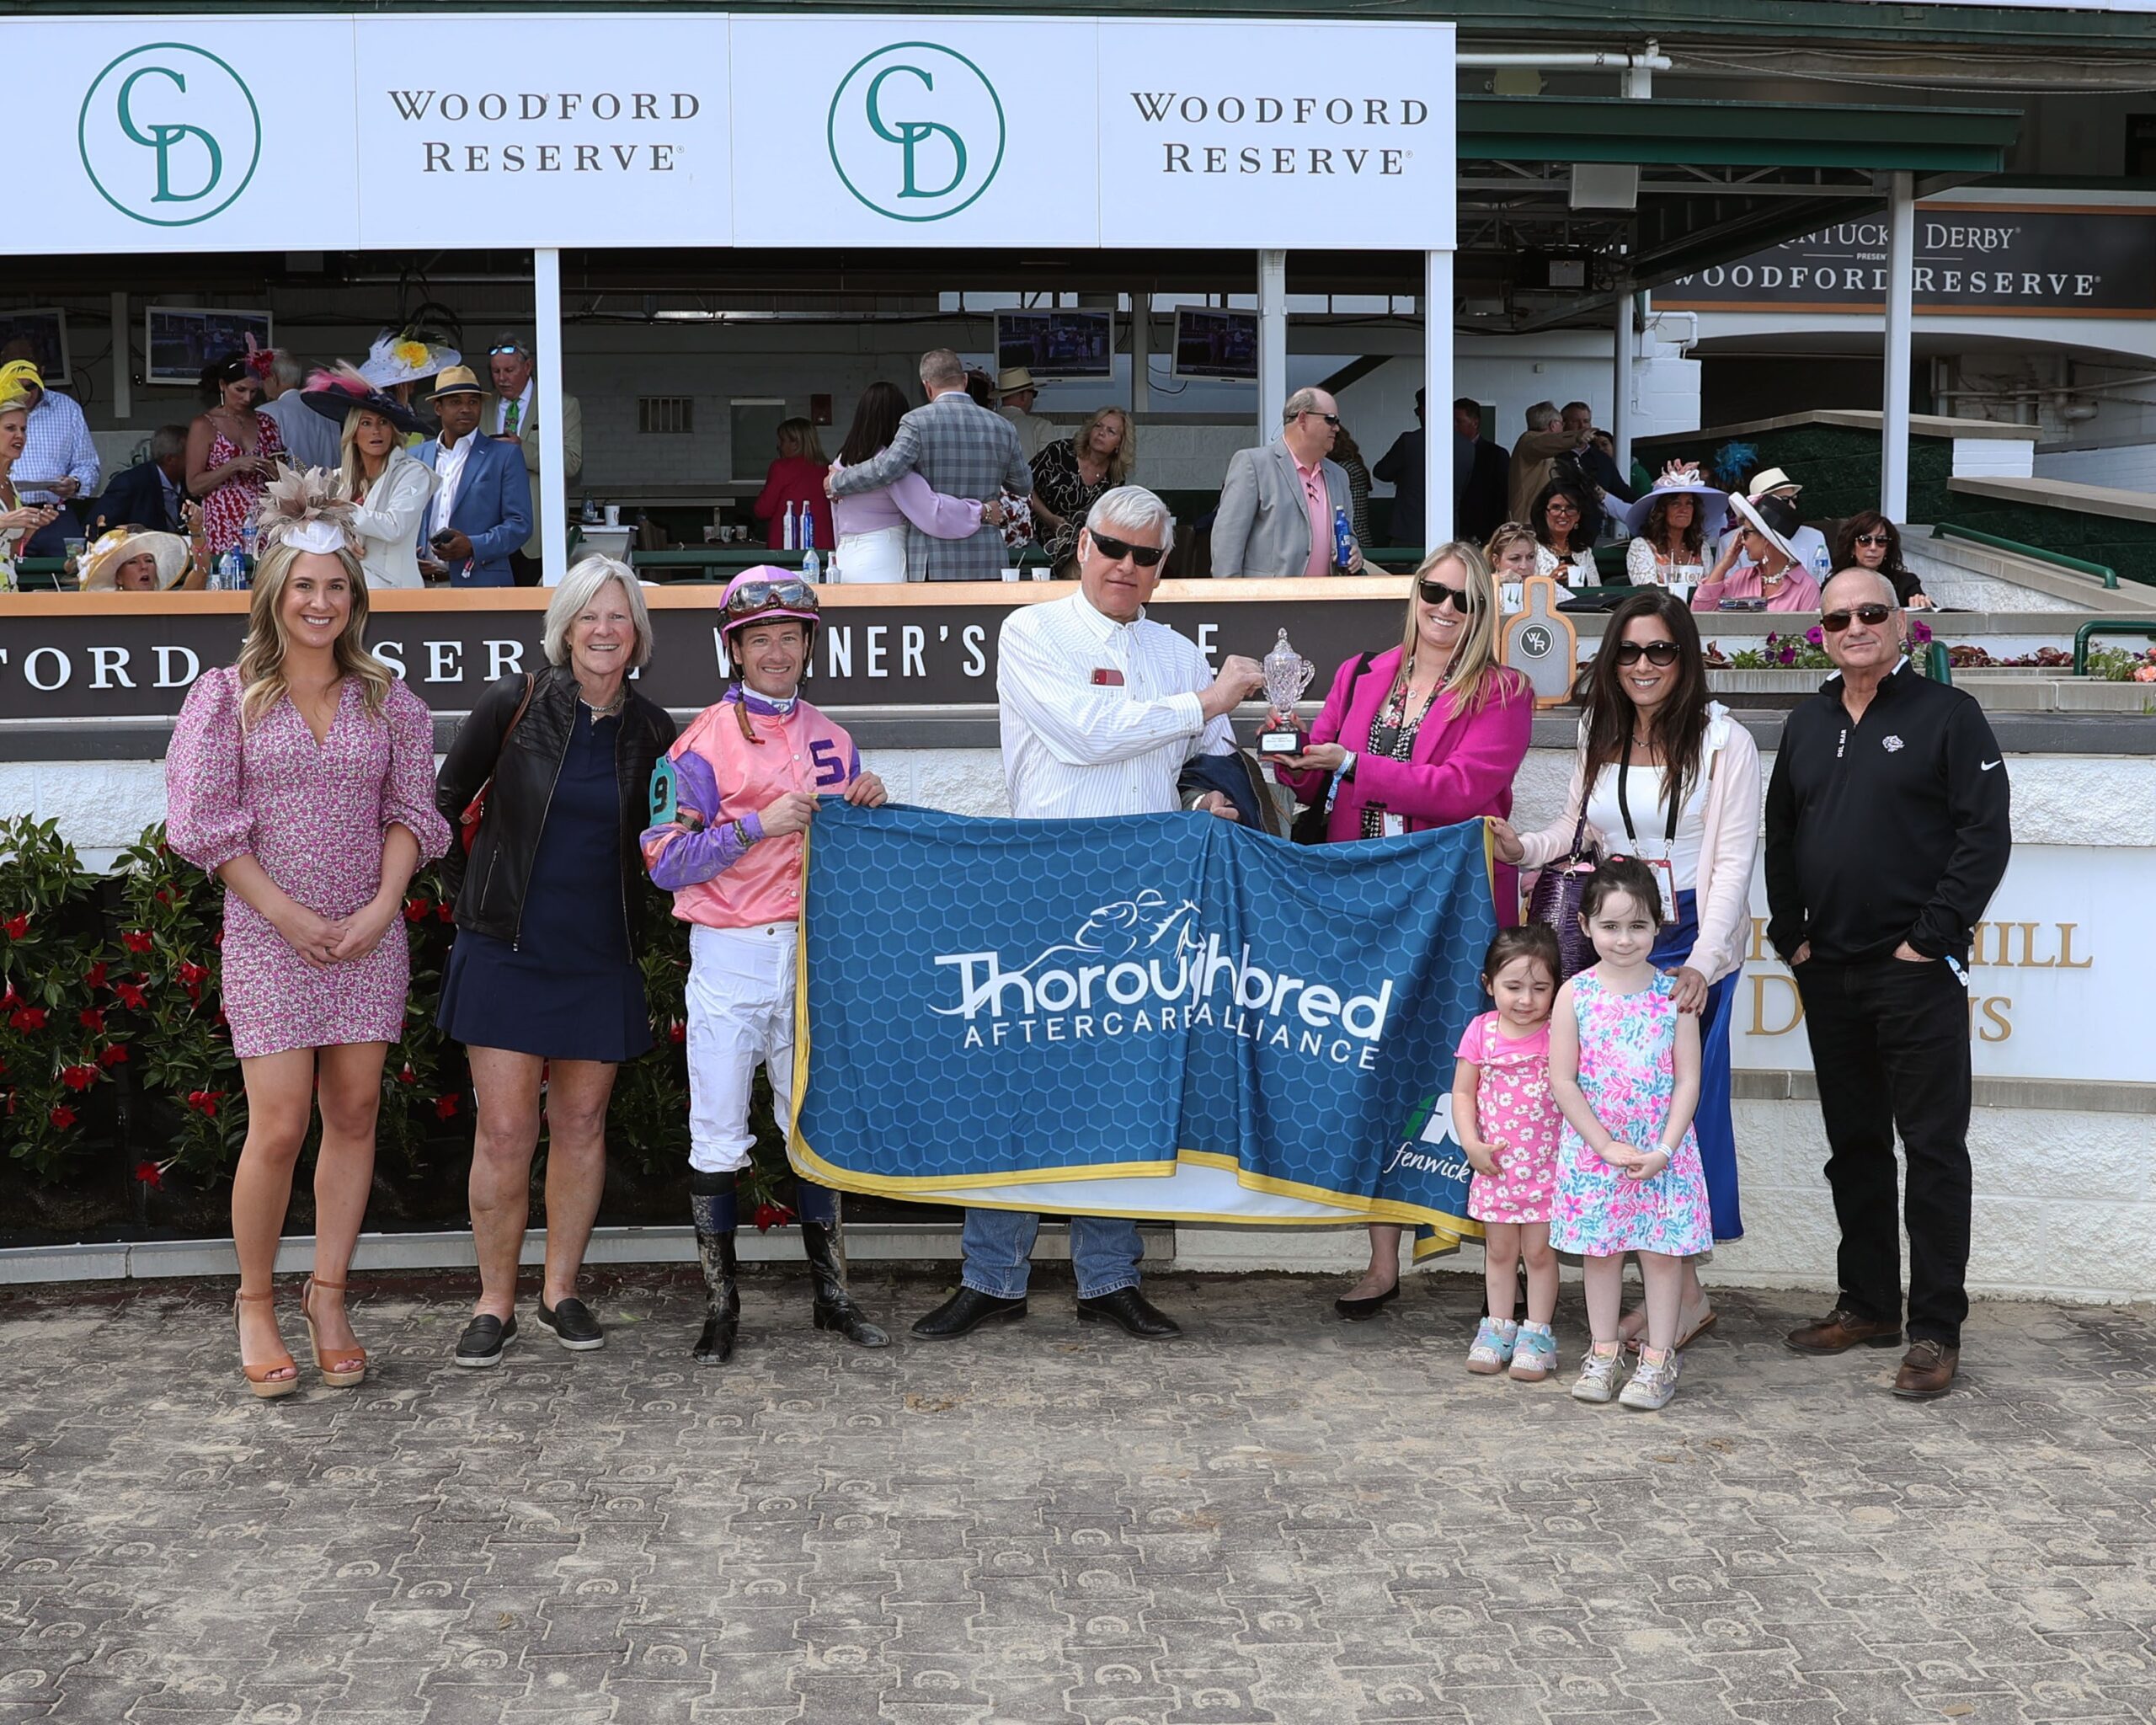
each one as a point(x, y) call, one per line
point(169, 134)
point(916, 132)
point(1141, 966)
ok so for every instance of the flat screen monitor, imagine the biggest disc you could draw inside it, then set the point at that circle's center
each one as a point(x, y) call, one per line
point(1210, 344)
point(180, 341)
point(1056, 345)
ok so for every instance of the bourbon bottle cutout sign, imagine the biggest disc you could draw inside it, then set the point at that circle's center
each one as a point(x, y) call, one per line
point(1541, 644)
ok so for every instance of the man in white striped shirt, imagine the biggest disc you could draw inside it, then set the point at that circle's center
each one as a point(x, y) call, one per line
point(1100, 709)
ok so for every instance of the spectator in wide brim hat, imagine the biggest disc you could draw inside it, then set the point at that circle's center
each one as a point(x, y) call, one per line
point(399, 359)
point(1673, 526)
point(1773, 569)
point(136, 560)
point(391, 486)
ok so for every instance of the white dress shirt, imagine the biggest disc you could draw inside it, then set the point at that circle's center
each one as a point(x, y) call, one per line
point(449, 469)
point(1073, 747)
point(523, 409)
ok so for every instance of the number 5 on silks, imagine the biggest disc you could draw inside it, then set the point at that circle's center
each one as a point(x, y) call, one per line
point(830, 768)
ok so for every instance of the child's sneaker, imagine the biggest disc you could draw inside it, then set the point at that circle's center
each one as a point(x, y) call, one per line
point(1534, 1355)
point(1654, 1381)
point(1492, 1351)
point(1597, 1378)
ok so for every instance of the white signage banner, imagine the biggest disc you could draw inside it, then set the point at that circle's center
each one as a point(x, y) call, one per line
point(2054, 984)
point(674, 129)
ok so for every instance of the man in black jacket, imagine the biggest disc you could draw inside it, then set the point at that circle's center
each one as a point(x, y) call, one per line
point(149, 495)
point(1887, 831)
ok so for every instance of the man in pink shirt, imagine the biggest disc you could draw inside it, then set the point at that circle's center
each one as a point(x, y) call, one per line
point(1277, 504)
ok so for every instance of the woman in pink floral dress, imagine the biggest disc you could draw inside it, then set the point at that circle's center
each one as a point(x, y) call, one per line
point(303, 777)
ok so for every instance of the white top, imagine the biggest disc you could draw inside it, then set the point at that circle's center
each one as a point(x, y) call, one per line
point(449, 469)
point(388, 519)
point(1651, 821)
point(1073, 748)
point(1646, 570)
point(1579, 572)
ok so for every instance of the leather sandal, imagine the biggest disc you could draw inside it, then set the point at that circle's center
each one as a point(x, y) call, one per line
point(258, 1377)
point(348, 1367)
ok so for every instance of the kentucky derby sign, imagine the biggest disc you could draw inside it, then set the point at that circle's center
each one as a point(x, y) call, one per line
point(1159, 1016)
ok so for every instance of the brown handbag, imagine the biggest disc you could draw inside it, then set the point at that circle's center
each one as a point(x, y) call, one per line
point(475, 811)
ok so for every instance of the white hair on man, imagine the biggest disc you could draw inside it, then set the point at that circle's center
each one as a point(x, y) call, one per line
point(579, 587)
point(1303, 401)
point(1544, 416)
point(942, 369)
point(287, 371)
point(1887, 595)
point(1131, 509)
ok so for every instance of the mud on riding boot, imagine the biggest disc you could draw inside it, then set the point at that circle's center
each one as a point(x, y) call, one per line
point(711, 1203)
point(823, 1243)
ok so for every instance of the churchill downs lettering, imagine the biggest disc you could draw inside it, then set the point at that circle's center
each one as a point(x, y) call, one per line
point(1357, 130)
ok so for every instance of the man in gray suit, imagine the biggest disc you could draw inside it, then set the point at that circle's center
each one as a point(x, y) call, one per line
point(963, 450)
point(1277, 504)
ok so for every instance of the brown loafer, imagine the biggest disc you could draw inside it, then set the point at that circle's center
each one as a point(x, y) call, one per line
point(1927, 1370)
point(1841, 1330)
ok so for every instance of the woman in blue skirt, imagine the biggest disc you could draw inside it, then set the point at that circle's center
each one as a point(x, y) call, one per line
point(1669, 777)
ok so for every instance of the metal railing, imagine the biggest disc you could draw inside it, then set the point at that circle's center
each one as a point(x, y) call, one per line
point(2106, 626)
point(2081, 566)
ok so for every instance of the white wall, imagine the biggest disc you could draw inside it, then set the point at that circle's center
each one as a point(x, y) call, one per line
point(2126, 467)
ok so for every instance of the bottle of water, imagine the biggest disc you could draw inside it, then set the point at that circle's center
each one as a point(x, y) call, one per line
point(1343, 542)
point(246, 541)
point(812, 566)
point(231, 573)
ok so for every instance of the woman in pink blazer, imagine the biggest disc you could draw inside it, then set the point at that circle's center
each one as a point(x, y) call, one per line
point(1427, 734)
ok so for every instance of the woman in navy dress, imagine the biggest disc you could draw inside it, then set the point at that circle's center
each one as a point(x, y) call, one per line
point(542, 986)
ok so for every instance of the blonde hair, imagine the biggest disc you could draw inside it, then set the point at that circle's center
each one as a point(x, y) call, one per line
point(349, 470)
point(1510, 534)
point(1125, 458)
point(801, 434)
point(579, 587)
point(1474, 677)
point(262, 655)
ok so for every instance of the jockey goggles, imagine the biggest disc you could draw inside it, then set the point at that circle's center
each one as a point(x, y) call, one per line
point(749, 599)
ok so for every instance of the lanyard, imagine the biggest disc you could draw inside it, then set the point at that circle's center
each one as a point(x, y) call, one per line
point(1625, 804)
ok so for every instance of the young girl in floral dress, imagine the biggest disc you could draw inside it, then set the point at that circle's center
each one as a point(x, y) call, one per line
point(1625, 1064)
point(1508, 1123)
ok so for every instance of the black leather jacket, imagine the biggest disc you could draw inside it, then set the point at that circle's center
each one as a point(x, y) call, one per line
point(488, 886)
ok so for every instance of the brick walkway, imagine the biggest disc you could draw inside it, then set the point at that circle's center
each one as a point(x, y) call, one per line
point(1281, 1519)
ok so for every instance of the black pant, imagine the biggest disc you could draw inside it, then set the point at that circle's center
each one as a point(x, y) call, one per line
point(1889, 1047)
point(525, 570)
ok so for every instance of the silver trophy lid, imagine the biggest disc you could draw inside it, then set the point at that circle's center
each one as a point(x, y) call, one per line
point(1287, 675)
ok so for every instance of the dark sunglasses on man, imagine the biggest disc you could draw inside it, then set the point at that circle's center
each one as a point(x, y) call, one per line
point(1115, 550)
point(1871, 616)
point(1660, 652)
point(1437, 593)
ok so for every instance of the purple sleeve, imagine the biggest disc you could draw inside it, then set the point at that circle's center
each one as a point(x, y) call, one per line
point(939, 516)
point(205, 819)
point(674, 858)
point(407, 796)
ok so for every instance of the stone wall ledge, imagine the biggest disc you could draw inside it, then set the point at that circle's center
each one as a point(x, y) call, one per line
point(2039, 1095)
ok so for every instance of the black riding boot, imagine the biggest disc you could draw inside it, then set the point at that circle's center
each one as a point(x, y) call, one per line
point(711, 1202)
point(823, 1245)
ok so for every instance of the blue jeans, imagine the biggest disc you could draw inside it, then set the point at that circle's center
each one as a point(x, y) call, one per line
point(999, 1245)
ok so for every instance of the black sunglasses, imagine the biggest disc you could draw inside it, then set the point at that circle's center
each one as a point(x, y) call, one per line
point(1654, 652)
point(752, 596)
point(1834, 621)
point(1329, 418)
point(1115, 550)
point(1873, 539)
point(1437, 593)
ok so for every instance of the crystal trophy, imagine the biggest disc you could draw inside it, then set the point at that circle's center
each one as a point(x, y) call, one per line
point(1287, 675)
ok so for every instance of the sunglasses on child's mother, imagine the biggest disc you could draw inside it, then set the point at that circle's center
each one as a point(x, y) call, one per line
point(1115, 550)
point(1437, 593)
point(1834, 621)
point(1654, 652)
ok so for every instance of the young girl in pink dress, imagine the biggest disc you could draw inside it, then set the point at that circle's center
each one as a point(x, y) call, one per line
point(1508, 1123)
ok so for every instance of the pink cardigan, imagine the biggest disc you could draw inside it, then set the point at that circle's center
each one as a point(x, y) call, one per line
point(1461, 768)
point(1722, 900)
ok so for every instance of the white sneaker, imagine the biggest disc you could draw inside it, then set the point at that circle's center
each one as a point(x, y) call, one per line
point(1597, 1378)
point(1654, 1381)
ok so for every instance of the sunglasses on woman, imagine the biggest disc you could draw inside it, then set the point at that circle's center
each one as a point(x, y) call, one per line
point(752, 596)
point(1654, 652)
point(1878, 539)
point(1437, 593)
point(1115, 550)
point(1834, 621)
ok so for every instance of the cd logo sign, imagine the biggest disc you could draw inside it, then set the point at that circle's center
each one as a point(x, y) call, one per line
point(916, 132)
point(169, 135)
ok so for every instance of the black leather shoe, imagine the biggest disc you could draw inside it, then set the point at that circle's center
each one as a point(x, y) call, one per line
point(1355, 1310)
point(1138, 1316)
point(483, 1339)
point(968, 1309)
point(573, 1324)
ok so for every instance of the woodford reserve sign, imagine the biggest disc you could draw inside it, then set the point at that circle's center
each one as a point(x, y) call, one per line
point(108, 657)
point(2032, 260)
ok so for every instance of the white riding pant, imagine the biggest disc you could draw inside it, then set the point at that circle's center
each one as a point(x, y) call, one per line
point(740, 1002)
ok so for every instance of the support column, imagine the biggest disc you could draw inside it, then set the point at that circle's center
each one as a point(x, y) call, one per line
point(123, 379)
point(1894, 397)
point(1437, 399)
point(1141, 351)
point(547, 337)
point(1620, 397)
point(1272, 343)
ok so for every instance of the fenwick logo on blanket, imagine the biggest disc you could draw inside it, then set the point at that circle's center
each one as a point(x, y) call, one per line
point(1143, 967)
